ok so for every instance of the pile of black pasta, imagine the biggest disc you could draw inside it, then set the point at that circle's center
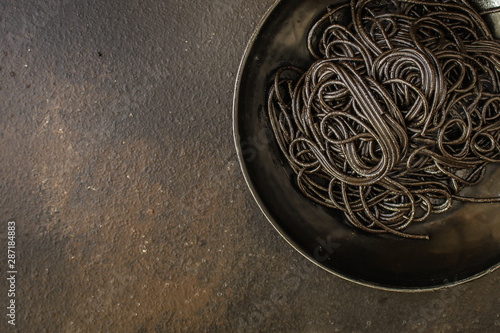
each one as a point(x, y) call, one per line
point(399, 112)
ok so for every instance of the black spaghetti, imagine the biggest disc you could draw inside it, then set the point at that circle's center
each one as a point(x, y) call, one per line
point(399, 112)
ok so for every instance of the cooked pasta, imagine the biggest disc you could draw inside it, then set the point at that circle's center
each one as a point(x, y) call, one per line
point(399, 112)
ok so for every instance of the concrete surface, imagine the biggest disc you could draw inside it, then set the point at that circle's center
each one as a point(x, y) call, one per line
point(118, 167)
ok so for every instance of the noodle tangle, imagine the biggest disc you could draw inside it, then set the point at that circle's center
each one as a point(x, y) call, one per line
point(398, 113)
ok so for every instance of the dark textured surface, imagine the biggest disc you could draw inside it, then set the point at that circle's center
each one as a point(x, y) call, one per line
point(117, 163)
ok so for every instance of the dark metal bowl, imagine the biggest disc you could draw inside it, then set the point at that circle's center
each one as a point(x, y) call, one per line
point(464, 242)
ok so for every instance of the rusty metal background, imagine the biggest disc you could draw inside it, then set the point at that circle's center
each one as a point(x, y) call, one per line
point(118, 166)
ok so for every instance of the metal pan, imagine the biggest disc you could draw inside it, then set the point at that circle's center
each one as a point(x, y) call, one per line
point(464, 242)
